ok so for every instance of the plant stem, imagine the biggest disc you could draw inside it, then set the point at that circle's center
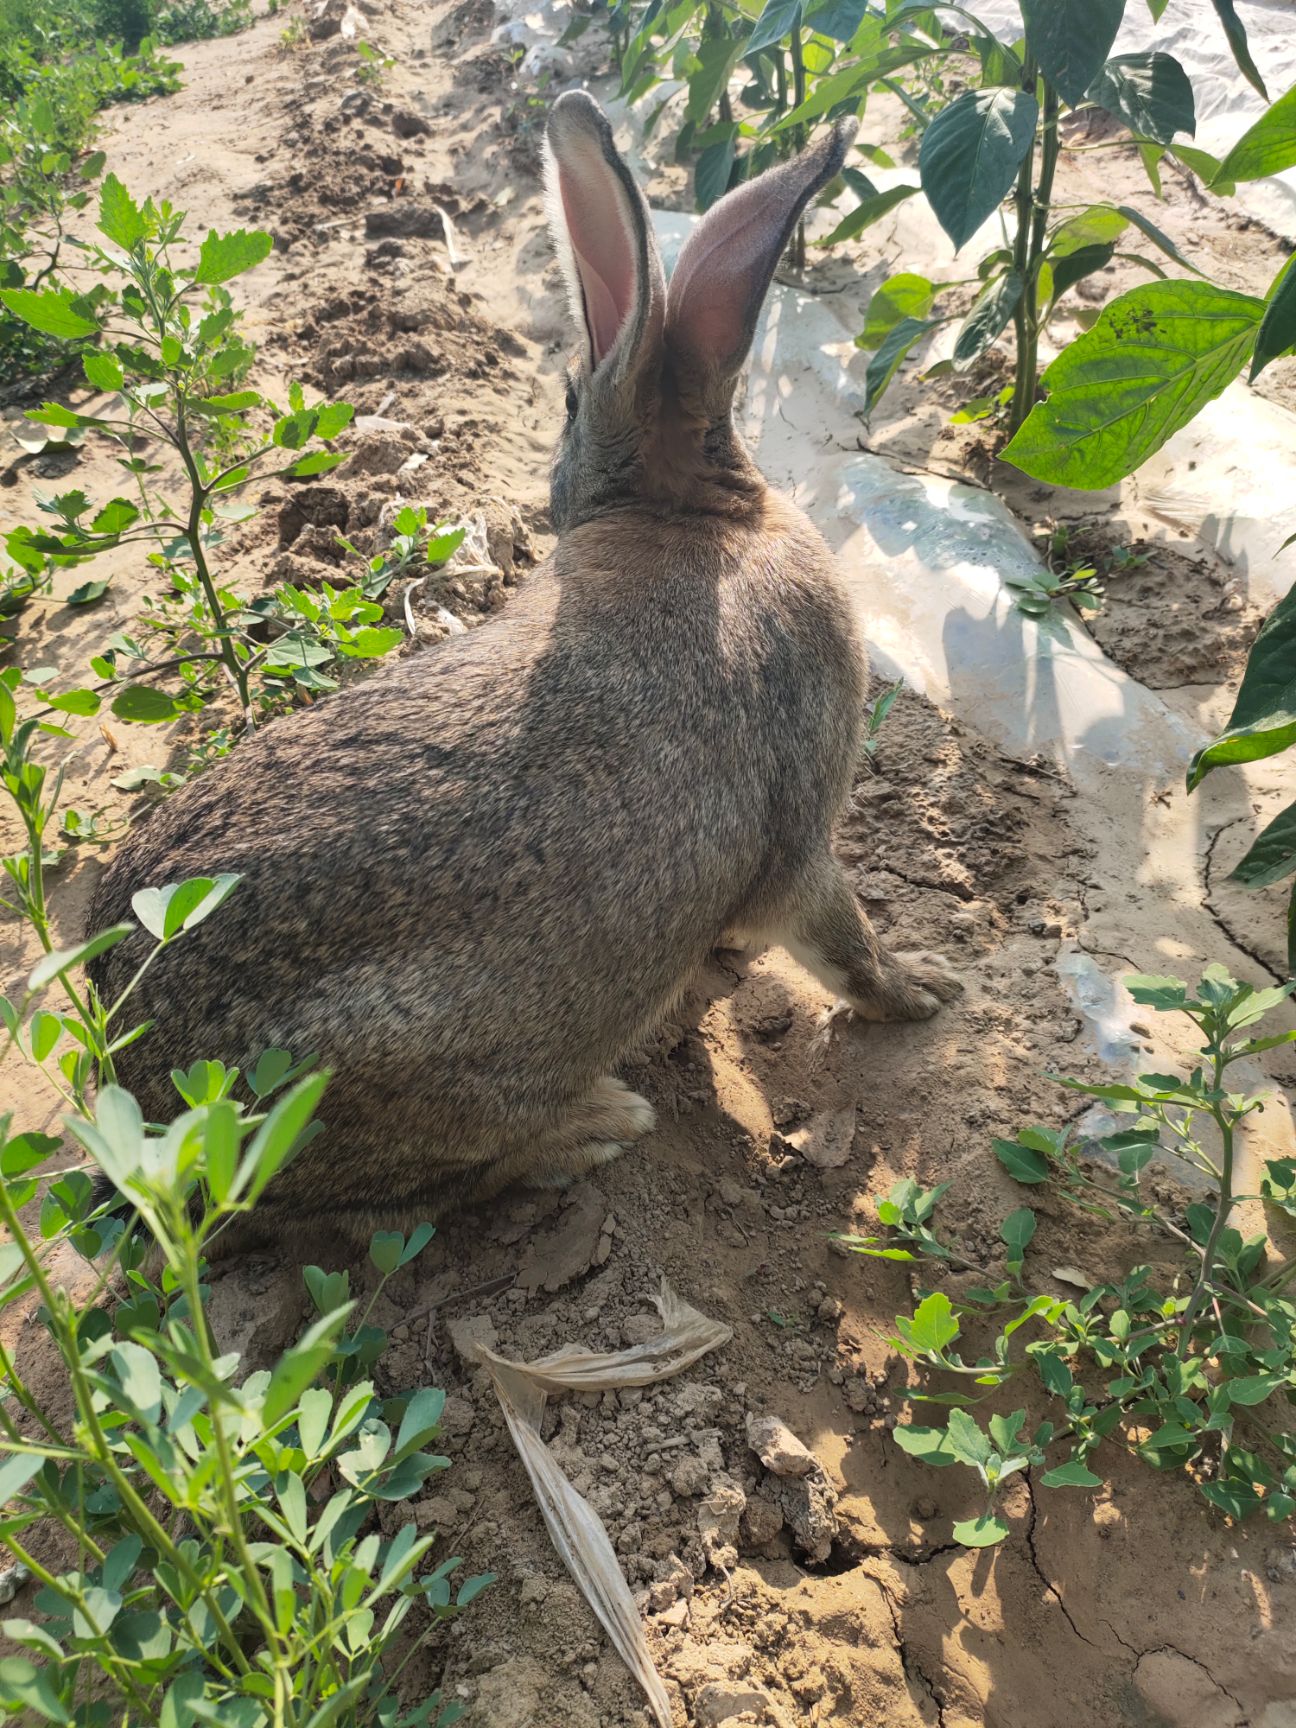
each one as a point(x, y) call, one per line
point(1223, 1206)
point(1023, 395)
point(798, 247)
point(193, 533)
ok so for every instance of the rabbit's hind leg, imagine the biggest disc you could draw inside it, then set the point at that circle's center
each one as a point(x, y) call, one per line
point(829, 933)
point(595, 1129)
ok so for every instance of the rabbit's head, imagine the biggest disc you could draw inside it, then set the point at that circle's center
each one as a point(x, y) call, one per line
point(650, 394)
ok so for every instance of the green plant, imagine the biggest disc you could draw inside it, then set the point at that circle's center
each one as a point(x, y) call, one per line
point(200, 20)
point(48, 100)
point(1263, 723)
point(373, 64)
point(1191, 1371)
point(1063, 578)
point(415, 541)
point(170, 352)
point(996, 141)
point(218, 1560)
point(877, 713)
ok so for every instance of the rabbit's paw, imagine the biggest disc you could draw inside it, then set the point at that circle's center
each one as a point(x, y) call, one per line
point(913, 987)
point(579, 1162)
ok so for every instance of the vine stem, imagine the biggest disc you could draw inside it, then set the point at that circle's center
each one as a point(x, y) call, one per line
point(1024, 377)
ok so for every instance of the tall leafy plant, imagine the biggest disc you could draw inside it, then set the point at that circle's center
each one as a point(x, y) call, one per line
point(1263, 723)
point(994, 146)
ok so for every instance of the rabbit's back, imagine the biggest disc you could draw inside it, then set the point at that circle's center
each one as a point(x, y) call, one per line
point(469, 884)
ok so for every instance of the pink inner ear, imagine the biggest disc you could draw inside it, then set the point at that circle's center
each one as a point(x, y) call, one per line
point(605, 260)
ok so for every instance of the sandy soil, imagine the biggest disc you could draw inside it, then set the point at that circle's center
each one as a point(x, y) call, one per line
point(1134, 1605)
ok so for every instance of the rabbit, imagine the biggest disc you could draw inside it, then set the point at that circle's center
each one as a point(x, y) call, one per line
point(473, 883)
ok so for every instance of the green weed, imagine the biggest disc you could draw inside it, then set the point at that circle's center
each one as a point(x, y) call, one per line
point(1191, 1372)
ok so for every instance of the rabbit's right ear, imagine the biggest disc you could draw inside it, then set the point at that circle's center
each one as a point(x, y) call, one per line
point(599, 220)
point(728, 261)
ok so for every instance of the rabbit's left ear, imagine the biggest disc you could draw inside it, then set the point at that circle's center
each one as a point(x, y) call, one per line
point(599, 220)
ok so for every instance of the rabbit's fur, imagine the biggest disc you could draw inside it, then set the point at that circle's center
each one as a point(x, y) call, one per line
point(473, 883)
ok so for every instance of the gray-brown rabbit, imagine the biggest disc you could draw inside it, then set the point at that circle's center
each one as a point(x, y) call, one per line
point(471, 885)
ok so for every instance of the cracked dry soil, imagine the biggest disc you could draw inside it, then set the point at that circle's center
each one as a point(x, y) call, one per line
point(1131, 1606)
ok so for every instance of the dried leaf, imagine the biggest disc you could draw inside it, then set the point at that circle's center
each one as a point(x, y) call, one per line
point(575, 1528)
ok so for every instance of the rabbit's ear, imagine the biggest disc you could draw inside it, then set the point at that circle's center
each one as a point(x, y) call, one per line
point(599, 221)
point(727, 262)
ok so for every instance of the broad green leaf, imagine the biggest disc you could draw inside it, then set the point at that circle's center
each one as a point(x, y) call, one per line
point(1150, 93)
point(987, 320)
point(1277, 332)
point(837, 87)
point(120, 218)
point(932, 1325)
point(839, 19)
point(714, 166)
point(316, 462)
point(902, 296)
point(1268, 147)
point(236, 402)
point(1278, 1184)
point(884, 365)
point(223, 256)
point(715, 59)
point(421, 1420)
point(137, 1375)
point(1156, 991)
point(1236, 35)
point(83, 702)
point(1263, 721)
point(1205, 166)
point(970, 155)
point(982, 1532)
point(1004, 1431)
point(52, 312)
point(928, 1444)
point(385, 1250)
point(966, 1440)
point(1155, 357)
point(1100, 225)
point(145, 705)
point(779, 19)
point(420, 1236)
point(1255, 1388)
point(1017, 1230)
point(117, 515)
point(196, 899)
point(867, 212)
point(1072, 1474)
point(1272, 856)
point(1075, 265)
point(1071, 39)
point(1023, 1163)
point(88, 592)
point(104, 371)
